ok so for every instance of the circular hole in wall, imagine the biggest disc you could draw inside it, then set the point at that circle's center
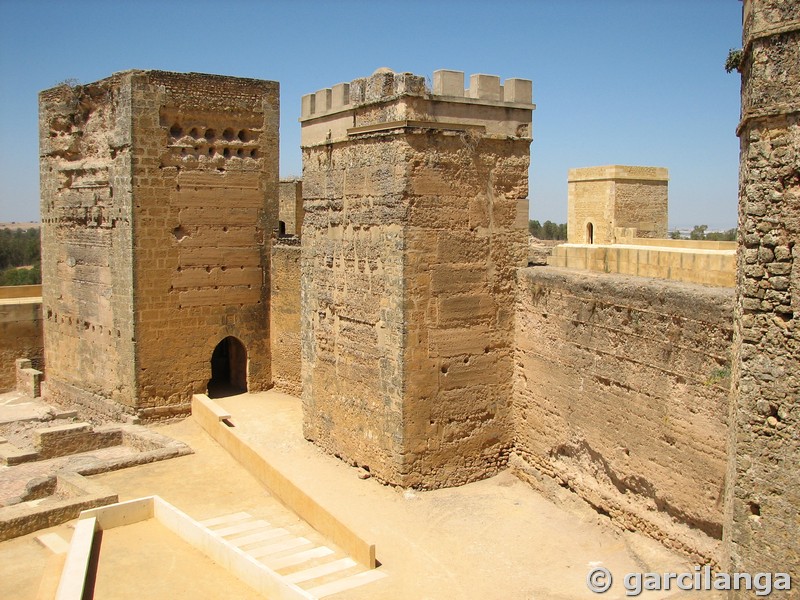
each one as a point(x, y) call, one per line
point(226, 152)
point(176, 131)
point(194, 133)
point(240, 153)
point(210, 134)
point(228, 134)
point(253, 153)
point(244, 135)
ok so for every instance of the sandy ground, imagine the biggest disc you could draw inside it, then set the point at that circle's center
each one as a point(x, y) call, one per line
point(493, 539)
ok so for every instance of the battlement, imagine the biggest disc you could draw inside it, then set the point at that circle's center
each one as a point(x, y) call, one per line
point(384, 84)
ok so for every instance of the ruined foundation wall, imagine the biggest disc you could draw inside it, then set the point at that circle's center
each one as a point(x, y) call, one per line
point(621, 395)
point(206, 177)
point(763, 508)
point(284, 324)
point(21, 332)
point(85, 146)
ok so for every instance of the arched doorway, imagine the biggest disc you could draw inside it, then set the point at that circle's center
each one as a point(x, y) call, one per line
point(589, 233)
point(228, 369)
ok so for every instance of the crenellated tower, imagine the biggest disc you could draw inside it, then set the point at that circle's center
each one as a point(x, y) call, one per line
point(415, 222)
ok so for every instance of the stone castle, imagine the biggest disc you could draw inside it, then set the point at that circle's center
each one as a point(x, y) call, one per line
point(389, 289)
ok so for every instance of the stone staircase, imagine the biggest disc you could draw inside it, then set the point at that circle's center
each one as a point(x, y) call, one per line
point(317, 569)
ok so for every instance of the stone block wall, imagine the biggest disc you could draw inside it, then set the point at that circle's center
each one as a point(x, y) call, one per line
point(207, 188)
point(621, 395)
point(706, 266)
point(415, 222)
point(21, 335)
point(290, 207)
point(85, 145)
point(189, 163)
point(284, 324)
point(763, 508)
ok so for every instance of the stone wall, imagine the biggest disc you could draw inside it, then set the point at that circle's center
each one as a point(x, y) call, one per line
point(415, 222)
point(284, 324)
point(189, 162)
point(85, 144)
point(763, 509)
point(290, 207)
point(21, 335)
point(206, 189)
point(621, 396)
point(706, 266)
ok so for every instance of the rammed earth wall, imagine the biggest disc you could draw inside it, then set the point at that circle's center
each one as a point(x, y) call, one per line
point(621, 388)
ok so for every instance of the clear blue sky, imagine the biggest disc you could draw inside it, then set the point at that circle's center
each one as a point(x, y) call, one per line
point(615, 81)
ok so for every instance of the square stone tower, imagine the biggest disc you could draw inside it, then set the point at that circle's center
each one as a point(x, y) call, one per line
point(158, 193)
point(415, 223)
point(601, 199)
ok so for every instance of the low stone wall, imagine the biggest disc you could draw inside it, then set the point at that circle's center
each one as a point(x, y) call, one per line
point(285, 316)
point(20, 291)
point(73, 438)
point(21, 334)
point(621, 388)
point(706, 266)
point(72, 494)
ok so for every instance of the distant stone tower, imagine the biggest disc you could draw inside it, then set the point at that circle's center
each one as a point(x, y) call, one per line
point(416, 220)
point(763, 509)
point(155, 212)
point(602, 200)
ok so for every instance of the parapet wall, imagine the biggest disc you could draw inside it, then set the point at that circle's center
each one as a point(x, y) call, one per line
point(621, 388)
point(662, 259)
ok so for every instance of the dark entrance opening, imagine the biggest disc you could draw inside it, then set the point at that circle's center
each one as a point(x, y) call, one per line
point(589, 233)
point(228, 369)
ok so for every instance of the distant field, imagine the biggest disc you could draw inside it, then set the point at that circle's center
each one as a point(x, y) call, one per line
point(18, 225)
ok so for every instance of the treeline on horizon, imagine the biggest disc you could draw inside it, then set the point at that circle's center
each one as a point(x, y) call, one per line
point(20, 257)
point(548, 231)
point(556, 231)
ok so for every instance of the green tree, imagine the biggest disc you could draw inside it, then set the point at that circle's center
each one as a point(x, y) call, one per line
point(698, 233)
point(675, 234)
point(723, 236)
point(535, 229)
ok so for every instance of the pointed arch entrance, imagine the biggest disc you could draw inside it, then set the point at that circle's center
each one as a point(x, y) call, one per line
point(228, 369)
point(589, 233)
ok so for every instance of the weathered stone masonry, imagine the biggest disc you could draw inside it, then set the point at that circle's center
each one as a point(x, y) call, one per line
point(621, 396)
point(763, 508)
point(158, 193)
point(415, 223)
